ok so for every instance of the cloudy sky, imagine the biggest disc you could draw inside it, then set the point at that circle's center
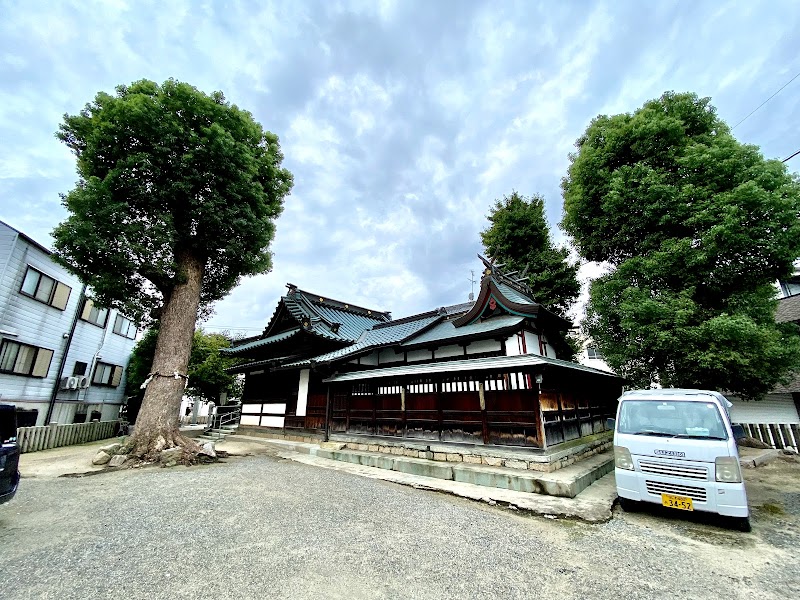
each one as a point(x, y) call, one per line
point(401, 121)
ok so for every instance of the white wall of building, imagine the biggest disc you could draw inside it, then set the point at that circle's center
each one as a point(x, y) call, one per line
point(28, 321)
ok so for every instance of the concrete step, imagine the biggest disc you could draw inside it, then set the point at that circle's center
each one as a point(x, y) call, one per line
point(567, 482)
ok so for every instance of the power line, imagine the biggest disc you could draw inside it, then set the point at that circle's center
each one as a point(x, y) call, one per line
point(764, 102)
point(792, 156)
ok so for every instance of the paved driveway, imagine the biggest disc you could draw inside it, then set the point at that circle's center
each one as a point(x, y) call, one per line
point(261, 527)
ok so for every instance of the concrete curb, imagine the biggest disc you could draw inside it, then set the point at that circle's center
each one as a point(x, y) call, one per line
point(593, 505)
point(766, 456)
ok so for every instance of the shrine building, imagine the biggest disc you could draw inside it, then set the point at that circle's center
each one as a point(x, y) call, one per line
point(481, 374)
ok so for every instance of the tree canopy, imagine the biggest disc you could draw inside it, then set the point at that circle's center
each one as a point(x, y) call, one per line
point(166, 169)
point(696, 227)
point(207, 376)
point(176, 200)
point(519, 238)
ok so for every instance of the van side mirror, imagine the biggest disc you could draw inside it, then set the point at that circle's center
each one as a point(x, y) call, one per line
point(738, 432)
point(611, 423)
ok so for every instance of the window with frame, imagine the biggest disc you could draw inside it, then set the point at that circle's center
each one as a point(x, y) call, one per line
point(45, 289)
point(80, 368)
point(107, 374)
point(124, 327)
point(592, 352)
point(94, 314)
point(24, 359)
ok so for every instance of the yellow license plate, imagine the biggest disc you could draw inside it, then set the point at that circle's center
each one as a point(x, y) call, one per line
point(679, 502)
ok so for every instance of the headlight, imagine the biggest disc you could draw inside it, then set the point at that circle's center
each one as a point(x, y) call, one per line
point(727, 468)
point(622, 458)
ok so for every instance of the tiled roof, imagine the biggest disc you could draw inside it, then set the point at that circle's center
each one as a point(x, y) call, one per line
point(446, 330)
point(380, 335)
point(512, 294)
point(470, 364)
point(278, 337)
point(788, 309)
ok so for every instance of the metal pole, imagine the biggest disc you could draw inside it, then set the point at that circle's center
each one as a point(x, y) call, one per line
point(63, 361)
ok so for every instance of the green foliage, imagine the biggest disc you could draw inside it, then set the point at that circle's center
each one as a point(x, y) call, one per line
point(165, 169)
point(698, 228)
point(141, 362)
point(207, 376)
point(519, 237)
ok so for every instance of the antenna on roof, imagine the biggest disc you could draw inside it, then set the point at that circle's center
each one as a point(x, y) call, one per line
point(472, 281)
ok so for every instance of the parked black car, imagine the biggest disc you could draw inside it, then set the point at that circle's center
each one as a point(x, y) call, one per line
point(9, 453)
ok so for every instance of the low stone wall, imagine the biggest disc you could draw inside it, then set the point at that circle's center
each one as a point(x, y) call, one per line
point(546, 461)
point(280, 434)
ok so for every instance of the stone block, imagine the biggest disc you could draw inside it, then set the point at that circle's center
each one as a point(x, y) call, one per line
point(516, 464)
point(397, 450)
point(117, 460)
point(373, 448)
point(452, 457)
point(111, 449)
point(424, 469)
point(440, 456)
point(384, 449)
point(410, 452)
point(333, 445)
point(492, 461)
point(101, 458)
point(472, 459)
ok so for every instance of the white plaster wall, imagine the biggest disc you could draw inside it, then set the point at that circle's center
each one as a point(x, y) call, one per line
point(369, 359)
point(514, 345)
point(387, 355)
point(483, 346)
point(271, 421)
point(531, 343)
point(302, 393)
point(418, 355)
point(448, 351)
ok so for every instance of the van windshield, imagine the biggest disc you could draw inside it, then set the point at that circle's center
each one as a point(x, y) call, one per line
point(668, 418)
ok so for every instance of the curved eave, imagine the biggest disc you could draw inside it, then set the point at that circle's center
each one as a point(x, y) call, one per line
point(533, 311)
point(262, 343)
point(468, 336)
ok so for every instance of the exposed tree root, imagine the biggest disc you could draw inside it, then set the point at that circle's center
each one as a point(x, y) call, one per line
point(146, 447)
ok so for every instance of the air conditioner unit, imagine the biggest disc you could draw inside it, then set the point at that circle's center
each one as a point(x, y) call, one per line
point(83, 382)
point(72, 383)
point(65, 383)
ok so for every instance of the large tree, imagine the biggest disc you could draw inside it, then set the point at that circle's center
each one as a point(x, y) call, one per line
point(208, 377)
point(518, 237)
point(696, 227)
point(176, 200)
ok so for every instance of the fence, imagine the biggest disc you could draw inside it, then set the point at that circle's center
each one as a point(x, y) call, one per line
point(44, 437)
point(777, 435)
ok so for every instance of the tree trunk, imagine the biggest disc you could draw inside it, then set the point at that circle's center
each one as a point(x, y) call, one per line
point(157, 424)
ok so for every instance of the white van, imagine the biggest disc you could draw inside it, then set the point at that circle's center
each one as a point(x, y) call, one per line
point(676, 448)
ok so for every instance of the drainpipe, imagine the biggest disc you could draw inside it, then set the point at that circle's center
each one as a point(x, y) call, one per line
point(64, 355)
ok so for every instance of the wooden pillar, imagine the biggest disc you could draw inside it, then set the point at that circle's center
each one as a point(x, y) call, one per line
point(374, 409)
point(439, 407)
point(404, 423)
point(484, 418)
point(347, 409)
point(328, 413)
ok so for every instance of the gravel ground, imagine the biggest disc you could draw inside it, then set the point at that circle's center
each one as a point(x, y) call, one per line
point(261, 527)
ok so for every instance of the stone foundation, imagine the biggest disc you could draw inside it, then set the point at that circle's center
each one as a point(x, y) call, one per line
point(545, 461)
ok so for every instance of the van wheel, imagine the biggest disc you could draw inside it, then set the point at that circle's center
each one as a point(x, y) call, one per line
point(742, 524)
point(628, 505)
